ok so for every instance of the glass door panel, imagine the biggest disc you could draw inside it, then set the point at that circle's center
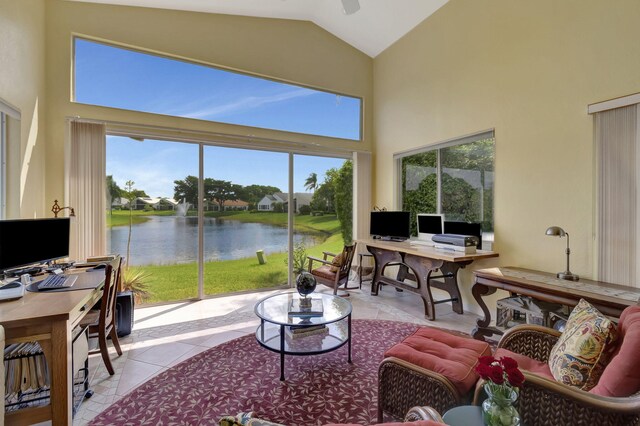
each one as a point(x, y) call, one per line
point(151, 221)
point(323, 205)
point(245, 220)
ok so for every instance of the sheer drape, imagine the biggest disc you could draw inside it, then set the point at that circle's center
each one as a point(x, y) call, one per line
point(616, 135)
point(86, 182)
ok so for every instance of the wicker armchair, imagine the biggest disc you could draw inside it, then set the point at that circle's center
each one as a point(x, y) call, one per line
point(546, 402)
point(395, 376)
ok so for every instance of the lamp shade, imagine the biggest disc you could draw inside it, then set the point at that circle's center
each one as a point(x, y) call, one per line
point(555, 231)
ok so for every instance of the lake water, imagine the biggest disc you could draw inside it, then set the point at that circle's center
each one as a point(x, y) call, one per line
point(170, 239)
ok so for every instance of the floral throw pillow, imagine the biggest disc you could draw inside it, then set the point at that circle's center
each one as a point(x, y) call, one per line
point(584, 348)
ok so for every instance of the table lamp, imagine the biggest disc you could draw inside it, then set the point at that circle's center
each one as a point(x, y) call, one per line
point(57, 209)
point(556, 231)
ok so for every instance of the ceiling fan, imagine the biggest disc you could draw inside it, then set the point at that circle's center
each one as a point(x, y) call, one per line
point(350, 7)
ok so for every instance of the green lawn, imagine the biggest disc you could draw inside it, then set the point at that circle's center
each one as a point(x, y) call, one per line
point(177, 282)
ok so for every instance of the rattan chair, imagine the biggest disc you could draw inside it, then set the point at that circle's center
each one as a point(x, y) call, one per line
point(401, 385)
point(548, 402)
point(334, 278)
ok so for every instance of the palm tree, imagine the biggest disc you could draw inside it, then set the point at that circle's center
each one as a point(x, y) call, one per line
point(312, 182)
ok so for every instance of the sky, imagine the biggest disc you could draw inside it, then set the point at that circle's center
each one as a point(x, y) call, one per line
point(115, 77)
point(155, 165)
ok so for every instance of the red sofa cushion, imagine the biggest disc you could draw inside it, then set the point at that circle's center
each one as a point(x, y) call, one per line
point(525, 363)
point(452, 356)
point(621, 377)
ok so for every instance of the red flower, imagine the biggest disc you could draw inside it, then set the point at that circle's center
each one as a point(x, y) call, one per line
point(515, 377)
point(486, 360)
point(508, 363)
point(497, 375)
point(483, 371)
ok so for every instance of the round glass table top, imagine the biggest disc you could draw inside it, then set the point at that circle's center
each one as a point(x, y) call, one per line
point(275, 309)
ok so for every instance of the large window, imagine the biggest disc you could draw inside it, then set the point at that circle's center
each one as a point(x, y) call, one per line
point(111, 76)
point(455, 179)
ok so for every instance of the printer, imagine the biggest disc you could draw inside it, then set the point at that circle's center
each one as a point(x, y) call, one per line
point(456, 242)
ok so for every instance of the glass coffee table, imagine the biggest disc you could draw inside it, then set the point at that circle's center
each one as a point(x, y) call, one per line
point(332, 329)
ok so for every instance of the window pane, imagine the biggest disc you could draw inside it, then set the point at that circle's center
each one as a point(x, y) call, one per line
point(323, 207)
point(114, 77)
point(419, 185)
point(149, 223)
point(244, 214)
point(467, 183)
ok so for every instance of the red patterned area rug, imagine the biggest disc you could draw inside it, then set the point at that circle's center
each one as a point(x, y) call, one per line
point(240, 375)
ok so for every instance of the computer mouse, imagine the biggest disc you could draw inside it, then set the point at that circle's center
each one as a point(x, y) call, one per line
point(13, 284)
point(100, 266)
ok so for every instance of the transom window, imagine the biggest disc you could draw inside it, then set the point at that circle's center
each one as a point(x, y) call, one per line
point(111, 76)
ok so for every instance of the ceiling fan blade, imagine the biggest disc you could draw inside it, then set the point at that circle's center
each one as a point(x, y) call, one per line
point(350, 6)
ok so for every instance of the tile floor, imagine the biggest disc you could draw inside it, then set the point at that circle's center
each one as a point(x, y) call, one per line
point(165, 335)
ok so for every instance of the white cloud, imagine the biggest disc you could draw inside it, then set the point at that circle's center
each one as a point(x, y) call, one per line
point(247, 103)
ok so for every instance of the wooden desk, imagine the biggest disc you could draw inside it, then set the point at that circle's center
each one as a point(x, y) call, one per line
point(610, 299)
point(49, 318)
point(422, 261)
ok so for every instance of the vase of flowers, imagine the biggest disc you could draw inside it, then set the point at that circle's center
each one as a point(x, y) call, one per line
point(503, 380)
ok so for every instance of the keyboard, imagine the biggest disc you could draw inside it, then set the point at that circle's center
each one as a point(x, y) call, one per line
point(53, 282)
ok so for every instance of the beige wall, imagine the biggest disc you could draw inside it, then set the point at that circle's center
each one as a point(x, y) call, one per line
point(22, 81)
point(528, 69)
point(294, 51)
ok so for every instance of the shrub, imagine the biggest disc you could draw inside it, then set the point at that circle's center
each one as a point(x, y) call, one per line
point(304, 210)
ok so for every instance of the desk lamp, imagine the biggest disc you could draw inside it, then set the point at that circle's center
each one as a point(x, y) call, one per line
point(57, 209)
point(556, 231)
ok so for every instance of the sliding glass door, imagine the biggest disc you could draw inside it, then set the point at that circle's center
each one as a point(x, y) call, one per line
point(174, 206)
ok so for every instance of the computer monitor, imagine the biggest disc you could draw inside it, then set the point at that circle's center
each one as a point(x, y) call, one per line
point(464, 228)
point(26, 242)
point(394, 225)
point(429, 225)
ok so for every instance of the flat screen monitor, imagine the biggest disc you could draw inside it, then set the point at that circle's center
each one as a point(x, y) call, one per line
point(429, 225)
point(29, 241)
point(390, 225)
point(464, 228)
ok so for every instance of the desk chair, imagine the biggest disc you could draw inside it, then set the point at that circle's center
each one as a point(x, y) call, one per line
point(101, 322)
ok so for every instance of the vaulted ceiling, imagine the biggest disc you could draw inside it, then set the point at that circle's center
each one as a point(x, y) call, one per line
point(377, 25)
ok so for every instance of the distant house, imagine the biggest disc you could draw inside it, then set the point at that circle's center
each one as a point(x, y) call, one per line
point(299, 199)
point(120, 203)
point(236, 205)
point(156, 203)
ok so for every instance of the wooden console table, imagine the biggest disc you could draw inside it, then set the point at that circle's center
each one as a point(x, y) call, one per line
point(49, 318)
point(610, 299)
point(421, 261)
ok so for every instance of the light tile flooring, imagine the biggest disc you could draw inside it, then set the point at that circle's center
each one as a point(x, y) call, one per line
point(166, 335)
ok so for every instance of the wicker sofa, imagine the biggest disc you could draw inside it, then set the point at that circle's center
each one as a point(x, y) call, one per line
point(544, 401)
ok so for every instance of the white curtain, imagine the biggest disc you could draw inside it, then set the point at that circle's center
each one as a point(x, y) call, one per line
point(361, 194)
point(616, 135)
point(86, 189)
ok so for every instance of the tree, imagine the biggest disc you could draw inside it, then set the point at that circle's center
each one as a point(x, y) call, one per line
point(114, 192)
point(221, 191)
point(312, 182)
point(323, 197)
point(130, 194)
point(343, 199)
point(186, 189)
point(252, 194)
